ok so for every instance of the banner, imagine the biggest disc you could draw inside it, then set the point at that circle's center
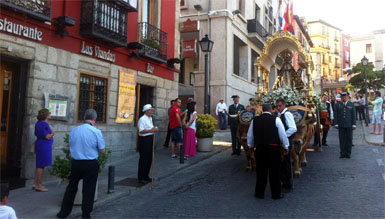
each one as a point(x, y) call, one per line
point(189, 49)
point(126, 97)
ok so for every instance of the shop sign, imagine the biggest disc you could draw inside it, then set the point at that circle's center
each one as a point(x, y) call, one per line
point(189, 26)
point(21, 30)
point(126, 98)
point(97, 52)
point(189, 48)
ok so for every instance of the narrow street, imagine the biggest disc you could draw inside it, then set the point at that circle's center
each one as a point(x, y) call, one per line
point(219, 187)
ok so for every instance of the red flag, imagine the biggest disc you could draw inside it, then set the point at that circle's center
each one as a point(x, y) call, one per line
point(288, 16)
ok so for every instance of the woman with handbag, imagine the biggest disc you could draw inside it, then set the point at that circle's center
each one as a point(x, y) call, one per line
point(189, 139)
point(43, 147)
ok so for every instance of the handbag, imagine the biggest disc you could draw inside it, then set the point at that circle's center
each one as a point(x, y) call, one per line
point(32, 149)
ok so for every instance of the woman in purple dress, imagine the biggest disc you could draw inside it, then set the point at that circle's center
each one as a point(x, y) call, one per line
point(43, 147)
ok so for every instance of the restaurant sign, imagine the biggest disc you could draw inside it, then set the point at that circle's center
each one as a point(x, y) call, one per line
point(21, 30)
point(97, 52)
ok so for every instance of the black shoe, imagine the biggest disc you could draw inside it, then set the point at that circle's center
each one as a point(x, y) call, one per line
point(59, 215)
point(239, 153)
point(342, 156)
point(165, 145)
point(287, 189)
point(86, 216)
point(234, 153)
point(148, 179)
point(259, 196)
point(347, 156)
point(141, 182)
point(277, 197)
point(324, 144)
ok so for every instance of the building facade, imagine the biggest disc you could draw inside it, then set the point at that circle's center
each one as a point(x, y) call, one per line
point(345, 53)
point(300, 32)
point(69, 56)
point(326, 55)
point(370, 45)
point(239, 30)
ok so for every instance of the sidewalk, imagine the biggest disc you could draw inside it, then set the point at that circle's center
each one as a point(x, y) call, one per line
point(31, 204)
point(370, 138)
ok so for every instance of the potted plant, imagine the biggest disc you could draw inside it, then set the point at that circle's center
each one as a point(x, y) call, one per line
point(61, 167)
point(205, 131)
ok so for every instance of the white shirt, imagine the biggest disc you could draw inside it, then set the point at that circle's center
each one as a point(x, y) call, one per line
point(194, 124)
point(221, 107)
point(7, 212)
point(145, 123)
point(281, 132)
point(330, 108)
point(292, 128)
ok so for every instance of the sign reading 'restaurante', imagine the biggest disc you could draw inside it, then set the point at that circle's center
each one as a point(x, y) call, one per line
point(21, 30)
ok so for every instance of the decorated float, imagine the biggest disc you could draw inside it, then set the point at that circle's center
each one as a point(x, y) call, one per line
point(296, 87)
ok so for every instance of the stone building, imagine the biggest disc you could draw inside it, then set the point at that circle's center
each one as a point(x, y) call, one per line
point(239, 30)
point(69, 56)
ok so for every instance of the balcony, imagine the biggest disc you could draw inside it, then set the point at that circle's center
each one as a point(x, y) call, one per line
point(253, 26)
point(104, 21)
point(38, 9)
point(153, 41)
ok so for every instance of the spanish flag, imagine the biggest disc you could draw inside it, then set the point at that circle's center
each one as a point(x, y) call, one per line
point(288, 16)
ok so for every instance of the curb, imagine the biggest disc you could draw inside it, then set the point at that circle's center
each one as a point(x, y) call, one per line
point(116, 195)
point(368, 142)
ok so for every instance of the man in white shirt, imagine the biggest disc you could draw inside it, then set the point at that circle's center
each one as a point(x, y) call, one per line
point(221, 111)
point(266, 133)
point(145, 144)
point(290, 128)
point(6, 212)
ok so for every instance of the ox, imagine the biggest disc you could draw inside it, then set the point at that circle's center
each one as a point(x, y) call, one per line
point(304, 119)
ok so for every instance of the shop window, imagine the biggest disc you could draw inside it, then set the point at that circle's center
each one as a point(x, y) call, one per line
point(93, 93)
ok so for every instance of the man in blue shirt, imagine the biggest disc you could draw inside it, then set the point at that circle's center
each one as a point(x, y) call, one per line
point(85, 143)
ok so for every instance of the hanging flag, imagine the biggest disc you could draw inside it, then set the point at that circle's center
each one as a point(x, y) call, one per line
point(288, 16)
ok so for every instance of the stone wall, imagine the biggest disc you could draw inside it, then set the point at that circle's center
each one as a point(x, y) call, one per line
point(56, 71)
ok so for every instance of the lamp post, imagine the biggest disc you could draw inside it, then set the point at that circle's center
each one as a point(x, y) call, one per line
point(206, 46)
point(364, 62)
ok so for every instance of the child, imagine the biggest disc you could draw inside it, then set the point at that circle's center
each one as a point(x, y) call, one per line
point(6, 212)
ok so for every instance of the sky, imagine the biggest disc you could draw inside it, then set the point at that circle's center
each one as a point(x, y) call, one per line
point(354, 17)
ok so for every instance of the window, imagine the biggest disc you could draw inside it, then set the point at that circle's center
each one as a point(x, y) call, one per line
point(257, 13)
point(346, 43)
point(323, 30)
point(241, 6)
point(254, 56)
point(369, 48)
point(92, 94)
point(347, 55)
point(149, 12)
point(240, 58)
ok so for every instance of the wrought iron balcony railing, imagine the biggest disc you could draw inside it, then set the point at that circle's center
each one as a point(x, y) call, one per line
point(38, 9)
point(153, 41)
point(105, 21)
point(253, 26)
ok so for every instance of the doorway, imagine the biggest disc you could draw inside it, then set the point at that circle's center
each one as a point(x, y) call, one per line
point(13, 78)
point(144, 95)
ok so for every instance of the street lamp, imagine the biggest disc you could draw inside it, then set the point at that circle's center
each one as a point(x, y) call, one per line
point(206, 46)
point(364, 62)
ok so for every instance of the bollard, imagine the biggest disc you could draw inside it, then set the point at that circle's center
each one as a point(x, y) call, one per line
point(181, 154)
point(111, 179)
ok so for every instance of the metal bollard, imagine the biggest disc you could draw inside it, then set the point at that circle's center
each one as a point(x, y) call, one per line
point(181, 155)
point(111, 179)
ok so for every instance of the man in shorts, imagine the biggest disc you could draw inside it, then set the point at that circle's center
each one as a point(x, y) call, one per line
point(377, 113)
point(176, 127)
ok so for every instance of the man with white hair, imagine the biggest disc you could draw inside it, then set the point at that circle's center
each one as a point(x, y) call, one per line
point(145, 143)
point(221, 111)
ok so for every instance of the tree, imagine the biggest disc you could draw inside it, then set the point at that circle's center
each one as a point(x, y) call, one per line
point(376, 79)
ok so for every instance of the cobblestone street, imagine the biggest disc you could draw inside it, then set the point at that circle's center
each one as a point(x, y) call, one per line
point(219, 187)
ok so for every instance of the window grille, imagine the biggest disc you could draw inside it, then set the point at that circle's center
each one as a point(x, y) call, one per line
point(93, 94)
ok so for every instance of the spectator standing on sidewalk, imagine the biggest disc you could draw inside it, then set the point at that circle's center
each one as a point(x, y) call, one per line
point(251, 102)
point(357, 103)
point(377, 113)
point(221, 111)
point(167, 141)
point(362, 108)
point(176, 127)
point(326, 122)
point(146, 139)
point(189, 139)
point(345, 122)
point(233, 111)
point(6, 212)
point(266, 133)
point(86, 142)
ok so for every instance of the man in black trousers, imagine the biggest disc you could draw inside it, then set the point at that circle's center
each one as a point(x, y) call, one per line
point(86, 142)
point(167, 141)
point(146, 138)
point(266, 133)
point(234, 110)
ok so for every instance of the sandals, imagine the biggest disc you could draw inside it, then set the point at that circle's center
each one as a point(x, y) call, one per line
point(43, 189)
point(372, 133)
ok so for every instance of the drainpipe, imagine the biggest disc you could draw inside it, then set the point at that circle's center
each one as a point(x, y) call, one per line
point(209, 53)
